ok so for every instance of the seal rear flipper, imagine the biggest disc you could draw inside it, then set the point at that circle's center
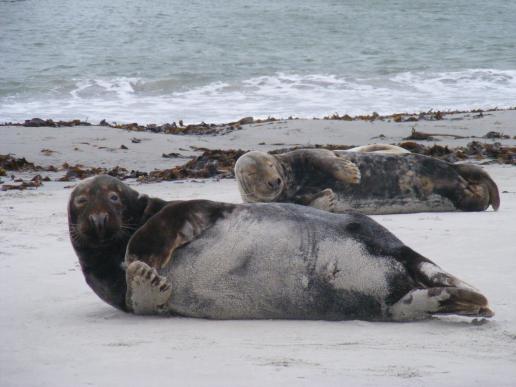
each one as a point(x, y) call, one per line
point(478, 181)
point(420, 304)
point(432, 275)
point(322, 200)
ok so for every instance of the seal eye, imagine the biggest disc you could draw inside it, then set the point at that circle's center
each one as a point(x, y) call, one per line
point(114, 197)
point(80, 201)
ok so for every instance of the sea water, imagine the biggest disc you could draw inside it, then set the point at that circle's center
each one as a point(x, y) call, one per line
point(215, 61)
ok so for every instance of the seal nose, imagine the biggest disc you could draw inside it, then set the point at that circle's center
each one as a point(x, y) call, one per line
point(274, 184)
point(99, 221)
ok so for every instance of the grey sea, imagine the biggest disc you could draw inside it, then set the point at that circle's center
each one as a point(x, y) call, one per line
point(206, 60)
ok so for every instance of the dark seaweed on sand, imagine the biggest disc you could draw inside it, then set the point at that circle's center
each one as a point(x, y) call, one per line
point(217, 163)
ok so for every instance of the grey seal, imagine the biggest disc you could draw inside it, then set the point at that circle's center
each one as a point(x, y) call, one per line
point(369, 182)
point(378, 148)
point(205, 259)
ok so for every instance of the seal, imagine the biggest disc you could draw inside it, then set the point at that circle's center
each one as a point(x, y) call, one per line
point(103, 213)
point(214, 260)
point(369, 182)
point(378, 148)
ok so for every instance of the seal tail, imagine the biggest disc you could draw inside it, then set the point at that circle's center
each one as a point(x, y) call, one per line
point(477, 176)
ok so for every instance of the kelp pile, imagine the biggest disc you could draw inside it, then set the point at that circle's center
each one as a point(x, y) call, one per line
point(475, 150)
point(167, 128)
point(217, 163)
point(210, 164)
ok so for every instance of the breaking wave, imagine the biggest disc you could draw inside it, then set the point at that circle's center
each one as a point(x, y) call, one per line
point(281, 95)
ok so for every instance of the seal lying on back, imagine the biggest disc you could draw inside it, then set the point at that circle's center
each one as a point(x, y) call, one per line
point(372, 183)
point(214, 260)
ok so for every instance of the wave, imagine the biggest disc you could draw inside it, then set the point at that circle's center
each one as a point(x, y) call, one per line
point(125, 99)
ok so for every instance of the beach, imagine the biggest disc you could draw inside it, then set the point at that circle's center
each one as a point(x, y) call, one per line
point(101, 146)
point(167, 95)
point(56, 332)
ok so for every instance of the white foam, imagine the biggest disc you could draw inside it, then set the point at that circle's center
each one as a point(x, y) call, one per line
point(125, 99)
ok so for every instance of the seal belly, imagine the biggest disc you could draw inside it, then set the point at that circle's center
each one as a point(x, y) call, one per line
point(280, 261)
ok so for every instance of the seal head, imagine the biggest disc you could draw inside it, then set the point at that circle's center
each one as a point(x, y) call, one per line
point(103, 214)
point(260, 177)
point(98, 211)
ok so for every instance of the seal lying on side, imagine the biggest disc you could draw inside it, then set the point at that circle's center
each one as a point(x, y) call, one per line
point(378, 148)
point(372, 183)
point(214, 260)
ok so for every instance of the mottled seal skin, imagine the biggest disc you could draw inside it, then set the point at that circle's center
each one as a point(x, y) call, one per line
point(283, 261)
point(103, 213)
point(215, 260)
point(388, 183)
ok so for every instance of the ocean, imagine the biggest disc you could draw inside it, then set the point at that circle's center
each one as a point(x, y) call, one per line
point(217, 61)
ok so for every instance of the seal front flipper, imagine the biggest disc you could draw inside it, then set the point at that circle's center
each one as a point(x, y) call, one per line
point(346, 171)
point(329, 162)
point(147, 291)
point(173, 226)
point(152, 246)
point(322, 200)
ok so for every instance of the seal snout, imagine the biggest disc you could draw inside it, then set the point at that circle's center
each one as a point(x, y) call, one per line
point(275, 183)
point(99, 222)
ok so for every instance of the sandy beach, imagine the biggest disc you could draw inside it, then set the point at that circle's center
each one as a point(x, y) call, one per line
point(167, 95)
point(100, 146)
point(56, 332)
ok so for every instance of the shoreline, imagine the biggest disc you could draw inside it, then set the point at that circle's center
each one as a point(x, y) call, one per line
point(35, 155)
point(214, 128)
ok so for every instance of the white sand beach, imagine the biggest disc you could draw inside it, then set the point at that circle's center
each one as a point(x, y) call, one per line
point(56, 332)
